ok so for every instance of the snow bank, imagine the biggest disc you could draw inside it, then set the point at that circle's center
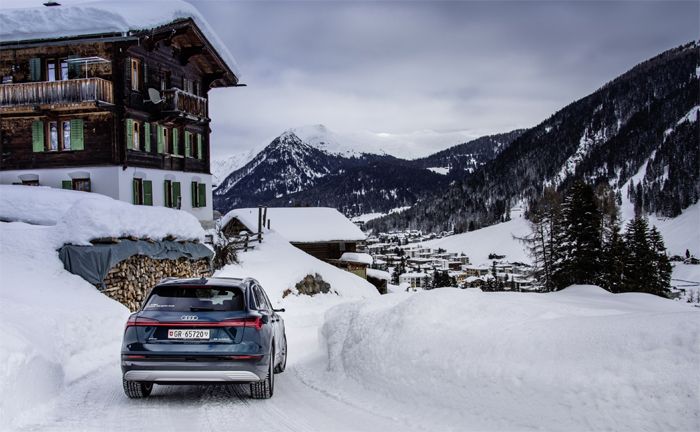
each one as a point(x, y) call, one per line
point(278, 266)
point(80, 217)
point(301, 224)
point(579, 359)
point(500, 239)
point(56, 326)
point(75, 18)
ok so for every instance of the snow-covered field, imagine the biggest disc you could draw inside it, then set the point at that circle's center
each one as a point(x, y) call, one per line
point(447, 359)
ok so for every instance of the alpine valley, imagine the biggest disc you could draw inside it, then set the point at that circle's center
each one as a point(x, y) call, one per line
point(642, 124)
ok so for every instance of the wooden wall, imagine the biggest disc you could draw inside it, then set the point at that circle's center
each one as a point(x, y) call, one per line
point(16, 143)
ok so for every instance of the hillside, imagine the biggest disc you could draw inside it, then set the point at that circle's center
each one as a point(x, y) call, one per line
point(644, 116)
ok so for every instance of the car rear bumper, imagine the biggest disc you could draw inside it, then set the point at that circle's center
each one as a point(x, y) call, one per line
point(168, 371)
point(164, 376)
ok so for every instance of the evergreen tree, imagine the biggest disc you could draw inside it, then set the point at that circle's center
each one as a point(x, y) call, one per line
point(661, 264)
point(544, 219)
point(639, 271)
point(614, 258)
point(579, 246)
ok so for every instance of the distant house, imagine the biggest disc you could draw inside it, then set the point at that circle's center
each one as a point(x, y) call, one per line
point(319, 231)
point(415, 280)
point(354, 262)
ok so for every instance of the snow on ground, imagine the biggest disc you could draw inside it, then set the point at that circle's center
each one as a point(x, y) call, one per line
point(440, 170)
point(579, 359)
point(369, 216)
point(500, 239)
point(56, 327)
point(81, 216)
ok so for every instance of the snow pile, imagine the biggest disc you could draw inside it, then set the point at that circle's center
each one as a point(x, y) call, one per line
point(80, 216)
point(278, 266)
point(301, 224)
point(501, 239)
point(355, 257)
point(579, 359)
point(101, 17)
point(56, 327)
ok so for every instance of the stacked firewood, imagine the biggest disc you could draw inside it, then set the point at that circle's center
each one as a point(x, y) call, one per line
point(130, 281)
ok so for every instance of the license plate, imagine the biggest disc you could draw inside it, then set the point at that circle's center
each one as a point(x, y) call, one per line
point(188, 334)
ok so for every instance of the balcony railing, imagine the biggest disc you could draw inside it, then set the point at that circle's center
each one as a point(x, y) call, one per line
point(56, 92)
point(181, 102)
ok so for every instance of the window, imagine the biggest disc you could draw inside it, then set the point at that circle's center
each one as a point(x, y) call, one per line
point(51, 70)
point(166, 139)
point(260, 299)
point(53, 136)
point(171, 194)
point(82, 184)
point(135, 76)
point(142, 192)
point(188, 144)
point(200, 147)
point(176, 142)
point(64, 70)
point(189, 299)
point(30, 182)
point(133, 134)
point(188, 85)
point(64, 135)
point(199, 194)
point(196, 88)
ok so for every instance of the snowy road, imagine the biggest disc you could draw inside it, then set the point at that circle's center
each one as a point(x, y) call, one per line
point(97, 403)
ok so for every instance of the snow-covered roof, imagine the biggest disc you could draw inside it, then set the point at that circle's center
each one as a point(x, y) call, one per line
point(30, 20)
point(356, 257)
point(301, 224)
point(378, 274)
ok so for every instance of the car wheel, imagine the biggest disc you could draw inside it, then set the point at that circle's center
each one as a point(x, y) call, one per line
point(137, 389)
point(283, 364)
point(264, 389)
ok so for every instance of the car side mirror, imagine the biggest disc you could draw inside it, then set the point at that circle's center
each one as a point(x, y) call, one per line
point(265, 319)
point(278, 310)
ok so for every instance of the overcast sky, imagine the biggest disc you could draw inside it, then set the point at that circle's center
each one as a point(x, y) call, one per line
point(429, 74)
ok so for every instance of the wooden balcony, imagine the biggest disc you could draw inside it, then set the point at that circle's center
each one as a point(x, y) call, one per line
point(73, 93)
point(179, 103)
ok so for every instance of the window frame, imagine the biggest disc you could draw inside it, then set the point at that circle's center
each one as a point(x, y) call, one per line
point(135, 73)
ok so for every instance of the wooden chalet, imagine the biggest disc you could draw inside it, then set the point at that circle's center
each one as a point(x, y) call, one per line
point(123, 112)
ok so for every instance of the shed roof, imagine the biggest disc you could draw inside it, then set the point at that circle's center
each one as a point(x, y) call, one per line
point(72, 18)
point(301, 224)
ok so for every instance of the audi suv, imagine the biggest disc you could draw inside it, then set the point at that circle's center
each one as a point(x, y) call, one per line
point(208, 330)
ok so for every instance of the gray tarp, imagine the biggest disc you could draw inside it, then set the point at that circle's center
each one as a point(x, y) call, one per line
point(92, 263)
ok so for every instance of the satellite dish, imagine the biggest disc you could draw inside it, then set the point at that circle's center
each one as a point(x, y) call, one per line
point(154, 96)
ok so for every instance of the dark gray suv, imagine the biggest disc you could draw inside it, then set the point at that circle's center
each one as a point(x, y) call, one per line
point(209, 330)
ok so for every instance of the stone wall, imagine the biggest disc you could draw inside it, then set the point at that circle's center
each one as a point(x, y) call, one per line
point(130, 281)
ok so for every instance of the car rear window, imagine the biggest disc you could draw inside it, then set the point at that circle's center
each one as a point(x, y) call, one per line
point(191, 299)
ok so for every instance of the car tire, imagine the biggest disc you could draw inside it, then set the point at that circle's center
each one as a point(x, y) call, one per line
point(265, 388)
point(137, 389)
point(283, 364)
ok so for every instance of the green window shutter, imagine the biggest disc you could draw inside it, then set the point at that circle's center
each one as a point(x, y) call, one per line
point(35, 69)
point(202, 195)
point(129, 124)
point(199, 146)
point(147, 136)
point(194, 189)
point(147, 192)
point(188, 139)
point(67, 184)
point(160, 139)
point(176, 142)
point(176, 194)
point(134, 191)
point(38, 136)
point(127, 74)
point(77, 138)
point(167, 193)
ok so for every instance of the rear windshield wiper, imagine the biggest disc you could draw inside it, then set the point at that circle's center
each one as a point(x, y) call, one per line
point(201, 309)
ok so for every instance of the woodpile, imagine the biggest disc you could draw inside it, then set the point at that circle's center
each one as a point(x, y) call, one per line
point(130, 281)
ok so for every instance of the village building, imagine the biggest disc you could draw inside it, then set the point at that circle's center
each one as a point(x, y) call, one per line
point(416, 280)
point(319, 231)
point(122, 111)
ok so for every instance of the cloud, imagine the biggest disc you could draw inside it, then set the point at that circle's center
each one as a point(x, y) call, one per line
point(403, 68)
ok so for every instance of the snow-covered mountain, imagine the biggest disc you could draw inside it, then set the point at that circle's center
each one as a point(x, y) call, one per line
point(644, 120)
point(313, 166)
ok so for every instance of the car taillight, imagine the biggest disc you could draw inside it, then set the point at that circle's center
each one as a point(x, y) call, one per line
point(254, 322)
point(245, 357)
point(135, 321)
